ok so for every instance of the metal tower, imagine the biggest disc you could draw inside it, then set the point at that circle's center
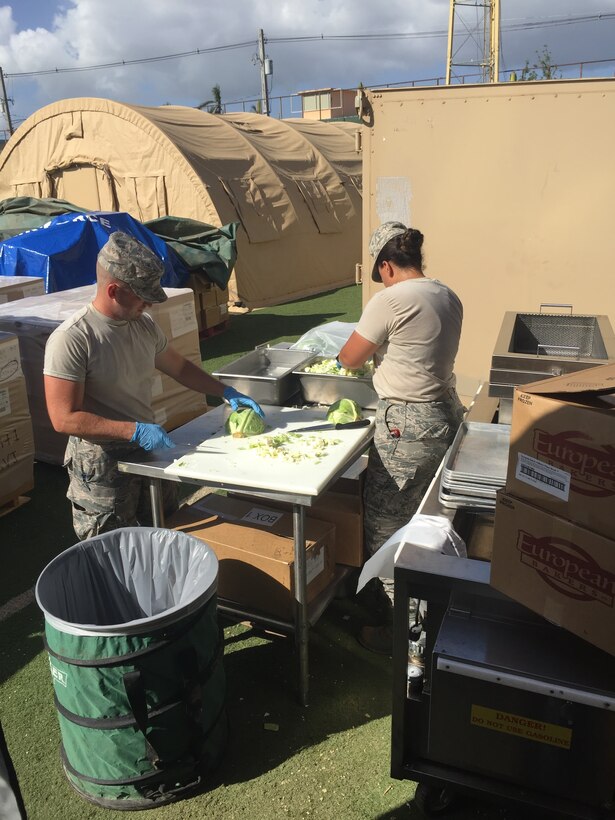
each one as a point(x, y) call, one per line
point(474, 39)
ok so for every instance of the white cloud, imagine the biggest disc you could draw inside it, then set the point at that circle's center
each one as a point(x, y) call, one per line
point(90, 32)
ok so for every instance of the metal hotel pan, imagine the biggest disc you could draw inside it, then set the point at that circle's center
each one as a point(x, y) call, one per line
point(465, 502)
point(478, 454)
point(265, 374)
point(326, 388)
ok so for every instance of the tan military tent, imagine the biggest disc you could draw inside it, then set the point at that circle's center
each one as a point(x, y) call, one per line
point(294, 185)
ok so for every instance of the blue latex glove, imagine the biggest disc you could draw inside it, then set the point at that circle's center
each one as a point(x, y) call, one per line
point(338, 364)
point(151, 437)
point(237, 399)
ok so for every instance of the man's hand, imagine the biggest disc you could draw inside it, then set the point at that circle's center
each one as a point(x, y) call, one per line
point(237, 399)
point(151, 437)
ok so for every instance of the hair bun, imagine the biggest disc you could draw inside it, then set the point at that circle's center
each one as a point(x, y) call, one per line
point(412, 240)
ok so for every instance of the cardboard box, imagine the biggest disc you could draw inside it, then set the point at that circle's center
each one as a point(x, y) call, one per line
point(254, 545)
point(345, 511)
point(342, 506)
point(221, 296)
point(562, 571)
point(562, 447)
point(20, 287)
point(213, 316)
point(172, 403)
point(16, 439)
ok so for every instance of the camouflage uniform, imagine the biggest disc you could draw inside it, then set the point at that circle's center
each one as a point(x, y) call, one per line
point(410, 441)
point(102, 497)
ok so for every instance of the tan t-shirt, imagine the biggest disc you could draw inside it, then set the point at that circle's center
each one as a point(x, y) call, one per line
point(114, 359)
point(417, 325)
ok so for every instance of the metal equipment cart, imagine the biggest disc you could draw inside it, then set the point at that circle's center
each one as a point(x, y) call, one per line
point(510, 708)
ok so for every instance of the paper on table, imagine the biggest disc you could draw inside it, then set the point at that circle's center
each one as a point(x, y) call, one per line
point(432, 532)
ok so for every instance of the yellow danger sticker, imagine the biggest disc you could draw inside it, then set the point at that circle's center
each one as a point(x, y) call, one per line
point(521, 726)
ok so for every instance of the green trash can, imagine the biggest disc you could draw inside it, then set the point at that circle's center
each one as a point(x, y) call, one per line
point(135, 653)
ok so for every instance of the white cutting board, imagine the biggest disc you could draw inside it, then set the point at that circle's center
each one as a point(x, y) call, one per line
point(211, 455)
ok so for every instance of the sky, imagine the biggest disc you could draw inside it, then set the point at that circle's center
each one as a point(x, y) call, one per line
point(40, 40)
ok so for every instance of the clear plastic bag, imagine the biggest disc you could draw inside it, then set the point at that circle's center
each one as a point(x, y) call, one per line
point(326, 340)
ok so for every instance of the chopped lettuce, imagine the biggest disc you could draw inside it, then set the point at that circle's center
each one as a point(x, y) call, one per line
point(293, 447)
point(329, 367)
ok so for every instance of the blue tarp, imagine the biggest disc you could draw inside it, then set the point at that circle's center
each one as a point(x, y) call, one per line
point(63, 251)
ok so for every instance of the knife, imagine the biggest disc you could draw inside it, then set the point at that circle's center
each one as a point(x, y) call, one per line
point(316, 428)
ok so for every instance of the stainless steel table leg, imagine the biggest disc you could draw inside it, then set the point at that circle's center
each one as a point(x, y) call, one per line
point(301, 614)
point(155, 495)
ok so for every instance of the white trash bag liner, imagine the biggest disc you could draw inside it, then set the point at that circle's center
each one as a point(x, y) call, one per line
point(117, 582)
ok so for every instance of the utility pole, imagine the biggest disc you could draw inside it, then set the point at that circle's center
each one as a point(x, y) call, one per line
point(5, 103)
point(266, 68)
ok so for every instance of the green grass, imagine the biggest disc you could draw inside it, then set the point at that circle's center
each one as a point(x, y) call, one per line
point(327, 760)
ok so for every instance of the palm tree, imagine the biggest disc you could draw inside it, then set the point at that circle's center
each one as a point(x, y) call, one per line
point(213, 106)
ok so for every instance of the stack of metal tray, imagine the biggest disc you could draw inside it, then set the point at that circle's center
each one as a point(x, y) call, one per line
point(326, 388)
point(266, 374)
point(475, 465)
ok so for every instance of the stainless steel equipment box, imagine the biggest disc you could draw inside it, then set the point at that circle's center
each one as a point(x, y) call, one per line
point(266, 373)
point(326, 388)
point(535, 346)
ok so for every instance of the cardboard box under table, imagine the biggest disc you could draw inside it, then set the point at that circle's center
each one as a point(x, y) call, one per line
point(254, 545)
point(562, 571)
point(562, 447)
point(343, 507)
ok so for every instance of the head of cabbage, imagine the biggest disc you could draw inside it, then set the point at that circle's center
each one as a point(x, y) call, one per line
point(344, 411)
point(244, 422)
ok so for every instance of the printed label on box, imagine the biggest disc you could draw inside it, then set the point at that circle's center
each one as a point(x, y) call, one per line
point(5, 401)
point(10, 364)
point(543, 476)
point(263, 517)
point(314, 565)
point(183, 319)
point(567, 568)
point(157, 385)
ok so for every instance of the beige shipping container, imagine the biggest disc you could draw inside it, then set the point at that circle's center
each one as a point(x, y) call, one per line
point(512, 186)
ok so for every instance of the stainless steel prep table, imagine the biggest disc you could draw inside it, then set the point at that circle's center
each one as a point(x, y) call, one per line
point(153, 466)
point(487, 655)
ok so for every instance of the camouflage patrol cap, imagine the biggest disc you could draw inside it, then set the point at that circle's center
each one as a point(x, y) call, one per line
point(128, 260)
point(378, 240)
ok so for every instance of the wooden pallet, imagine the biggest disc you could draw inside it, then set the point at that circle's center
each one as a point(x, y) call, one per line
point(13, 504)
point(207, 332)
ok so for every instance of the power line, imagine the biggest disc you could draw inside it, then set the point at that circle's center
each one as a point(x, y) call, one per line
point(120, 63)
point(413, 35)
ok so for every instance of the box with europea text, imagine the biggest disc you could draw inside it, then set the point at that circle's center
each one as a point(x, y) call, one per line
point(562, 571)
point(562, 447)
